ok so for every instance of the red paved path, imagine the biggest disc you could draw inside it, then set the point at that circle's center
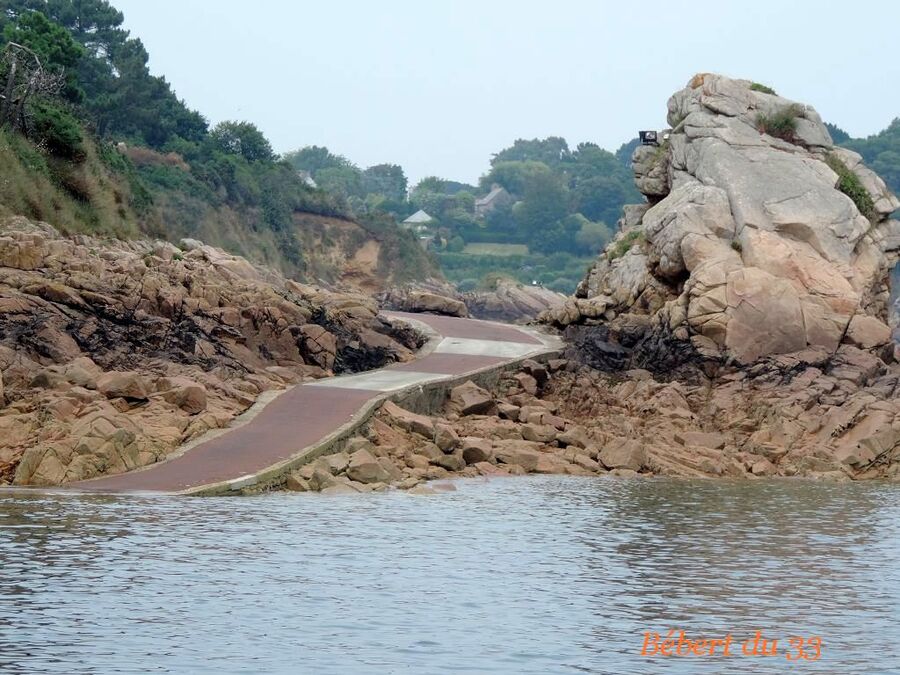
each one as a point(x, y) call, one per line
point(298, 418)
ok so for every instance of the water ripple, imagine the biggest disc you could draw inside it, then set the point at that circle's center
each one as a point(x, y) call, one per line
point(537, 575)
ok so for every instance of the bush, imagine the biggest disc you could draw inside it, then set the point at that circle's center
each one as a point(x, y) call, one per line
point(850, 185)
point(782, 124)
point(57, 130)
point(456, 244)
point(756, 86)
point(624, 244)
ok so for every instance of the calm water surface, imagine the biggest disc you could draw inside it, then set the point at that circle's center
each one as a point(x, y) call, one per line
point(530, 575)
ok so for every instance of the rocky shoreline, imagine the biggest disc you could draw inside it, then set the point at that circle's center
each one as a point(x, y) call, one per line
point(775, 420)
point(115, 353)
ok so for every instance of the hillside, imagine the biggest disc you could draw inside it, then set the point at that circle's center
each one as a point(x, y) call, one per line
point(100, 146)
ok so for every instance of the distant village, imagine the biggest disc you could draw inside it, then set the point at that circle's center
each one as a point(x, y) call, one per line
point(425, 226)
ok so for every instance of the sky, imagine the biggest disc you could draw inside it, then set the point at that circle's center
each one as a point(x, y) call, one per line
point(439, 86)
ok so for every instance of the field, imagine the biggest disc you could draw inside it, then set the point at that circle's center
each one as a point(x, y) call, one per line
point(496, 249)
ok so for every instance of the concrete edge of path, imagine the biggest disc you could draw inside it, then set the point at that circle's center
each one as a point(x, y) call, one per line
point(424, 398)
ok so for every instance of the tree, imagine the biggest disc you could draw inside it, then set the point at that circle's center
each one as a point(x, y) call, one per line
point(342, 180)
point(838, 135)
point(242, 138)
point(54, 47)
point(881, 153)
point(591, 237)
point(385, 179)
point(550, 151)
point(544, 204)
point(513, 175)
point(314, 158)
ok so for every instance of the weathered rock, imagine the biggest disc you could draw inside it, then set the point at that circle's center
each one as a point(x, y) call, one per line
point(524, 454)
point(452, 462)
point(417, 301)
point(445, 437)
point(513, 302)
point(575, 435)
point(186, 394)
point(701, 438)
point(542, 433)
point(470, 399)
point(123, 384)
point(419, 424)
point(363, 467)
point(476, 450)
point(622, 453)
point(747, 248)
point(867, 332)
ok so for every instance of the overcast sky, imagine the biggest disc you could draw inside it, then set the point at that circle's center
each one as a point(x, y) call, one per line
point(438, 86)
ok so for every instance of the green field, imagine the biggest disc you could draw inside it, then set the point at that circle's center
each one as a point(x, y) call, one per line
point(496, 249)
point(559, 271)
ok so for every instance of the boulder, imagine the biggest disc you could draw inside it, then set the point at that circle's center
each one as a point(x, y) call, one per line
point(123, 384)
point(363, 467)
point(183, 393)
point(867, 332)
point(524, 454)
point(445, 437)
point(420, 301)
point(704, 439)
point(513, 302)
point(475, 450)
point(452, 462)
point(418, 424)
point(470, 399)
point(622, 453)
point(318, 345)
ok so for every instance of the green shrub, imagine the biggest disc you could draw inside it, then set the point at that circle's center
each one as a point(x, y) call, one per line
point(756, 86)
point(850, 185)
point(782, 124)
point(624, 245)
point(737, 246)
point(57, 130)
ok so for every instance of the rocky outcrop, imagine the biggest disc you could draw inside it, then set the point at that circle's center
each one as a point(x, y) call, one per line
point(744, 306)
point(507, 300)
point(759, 237)
point(433, 296)
point(513, 302)
point(114, 353)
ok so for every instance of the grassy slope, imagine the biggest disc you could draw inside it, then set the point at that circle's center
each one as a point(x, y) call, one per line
point(108, 195)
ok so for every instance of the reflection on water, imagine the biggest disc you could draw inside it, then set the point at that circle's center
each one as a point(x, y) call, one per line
point(535, 575)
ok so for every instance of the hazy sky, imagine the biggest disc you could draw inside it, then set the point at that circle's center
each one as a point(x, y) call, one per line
point(437, 86)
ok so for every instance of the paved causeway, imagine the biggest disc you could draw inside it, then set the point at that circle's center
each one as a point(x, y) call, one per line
point(304, 415)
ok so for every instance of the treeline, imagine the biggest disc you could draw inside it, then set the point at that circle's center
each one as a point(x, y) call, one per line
point(556, 199)
point(881, 151)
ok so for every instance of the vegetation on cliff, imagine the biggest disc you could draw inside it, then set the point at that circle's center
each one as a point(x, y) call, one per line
point(102, 146)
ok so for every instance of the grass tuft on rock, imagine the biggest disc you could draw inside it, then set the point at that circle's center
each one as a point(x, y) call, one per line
point(625, 244)
point(850, 185)
point(756, 86)
point(782, 124)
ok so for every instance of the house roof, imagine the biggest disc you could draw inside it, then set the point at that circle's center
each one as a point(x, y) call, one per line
point(495, 192)
point(419, 216)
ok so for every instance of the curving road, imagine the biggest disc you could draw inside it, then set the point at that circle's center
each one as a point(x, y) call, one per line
point(304, 415)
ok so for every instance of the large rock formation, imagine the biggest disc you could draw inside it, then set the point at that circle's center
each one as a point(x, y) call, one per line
point(114, 353)
point(759, 237)
point(753, 288)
